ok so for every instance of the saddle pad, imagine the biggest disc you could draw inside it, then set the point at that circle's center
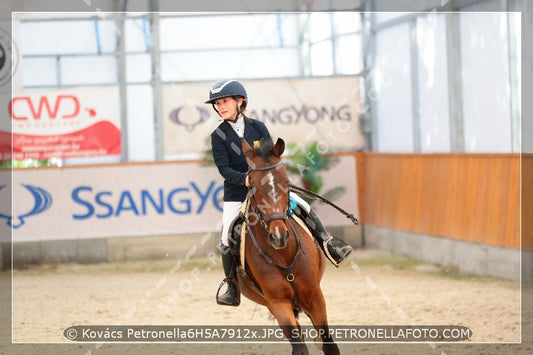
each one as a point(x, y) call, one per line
point(243, 243)
point(303, 225)
point(244, 212)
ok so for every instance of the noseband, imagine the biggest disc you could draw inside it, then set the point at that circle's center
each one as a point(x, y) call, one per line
point(257, 210)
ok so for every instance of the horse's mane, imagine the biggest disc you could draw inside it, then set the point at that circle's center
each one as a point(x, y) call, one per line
point(265, 149)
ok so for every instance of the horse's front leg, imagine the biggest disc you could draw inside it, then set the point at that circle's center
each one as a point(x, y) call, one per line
point(284, 314)
point(315, 308)
point(328, 345)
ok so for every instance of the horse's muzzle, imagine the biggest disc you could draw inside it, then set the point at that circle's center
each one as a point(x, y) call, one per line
point(278, 239)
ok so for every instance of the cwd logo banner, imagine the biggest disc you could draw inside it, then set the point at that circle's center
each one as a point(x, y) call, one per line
point(77, 122)
point(326, 110)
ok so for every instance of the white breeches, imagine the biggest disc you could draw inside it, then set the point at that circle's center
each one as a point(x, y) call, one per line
point(230, 211)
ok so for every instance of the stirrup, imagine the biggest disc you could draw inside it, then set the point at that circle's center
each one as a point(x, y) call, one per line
point(236, 299)
point(341, 257)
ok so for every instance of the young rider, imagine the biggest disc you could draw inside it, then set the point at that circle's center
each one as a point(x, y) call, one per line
point(229, 99)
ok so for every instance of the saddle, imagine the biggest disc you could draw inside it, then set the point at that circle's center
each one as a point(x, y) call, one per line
point(237, 231)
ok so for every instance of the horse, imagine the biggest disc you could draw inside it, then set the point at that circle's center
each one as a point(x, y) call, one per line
point(284, 264)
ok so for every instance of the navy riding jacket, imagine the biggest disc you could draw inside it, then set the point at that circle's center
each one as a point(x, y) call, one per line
point(229, 157)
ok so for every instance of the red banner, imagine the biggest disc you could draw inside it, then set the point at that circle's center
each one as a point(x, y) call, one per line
point(80, 122)
point(5, 146)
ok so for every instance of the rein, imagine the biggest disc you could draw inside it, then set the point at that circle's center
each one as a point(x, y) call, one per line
point(287, 270)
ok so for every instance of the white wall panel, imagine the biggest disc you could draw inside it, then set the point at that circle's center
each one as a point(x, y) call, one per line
point(138, 68)
point(486, 95)
point(39, 71)
point(349, 57)
point(392, 78)
point(88, 70)
point(433, 85)
point(52, 37)
point(216, 65)
point(141, 135)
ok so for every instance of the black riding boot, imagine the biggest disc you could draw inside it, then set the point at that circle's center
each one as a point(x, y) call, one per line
point(336, 250)
point(232, 296)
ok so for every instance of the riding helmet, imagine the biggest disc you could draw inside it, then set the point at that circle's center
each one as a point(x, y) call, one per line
point(225, 88)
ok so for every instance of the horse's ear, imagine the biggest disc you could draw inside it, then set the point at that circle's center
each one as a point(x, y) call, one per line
point(279, 147)
point(246, 149)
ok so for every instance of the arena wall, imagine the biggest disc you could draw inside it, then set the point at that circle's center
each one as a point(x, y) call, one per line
point(456, 210)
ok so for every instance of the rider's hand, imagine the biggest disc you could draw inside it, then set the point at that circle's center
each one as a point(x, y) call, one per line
point(247, 180)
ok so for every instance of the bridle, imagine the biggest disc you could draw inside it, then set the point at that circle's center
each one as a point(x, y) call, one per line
point(265, 221)
point(288, 270)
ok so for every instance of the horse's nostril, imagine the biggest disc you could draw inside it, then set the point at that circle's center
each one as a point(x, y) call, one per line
point(278, 240)
point(275, 240)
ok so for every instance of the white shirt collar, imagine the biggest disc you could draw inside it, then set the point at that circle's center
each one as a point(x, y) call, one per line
point(238, 126)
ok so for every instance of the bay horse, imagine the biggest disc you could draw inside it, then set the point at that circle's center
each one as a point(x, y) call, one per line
point(284, 264)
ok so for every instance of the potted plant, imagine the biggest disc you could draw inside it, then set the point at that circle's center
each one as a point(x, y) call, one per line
point(307, 163)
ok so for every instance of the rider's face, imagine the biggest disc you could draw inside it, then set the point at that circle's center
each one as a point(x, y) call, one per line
point(227, 108)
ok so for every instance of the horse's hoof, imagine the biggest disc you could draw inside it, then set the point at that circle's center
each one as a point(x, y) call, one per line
point(300, 349)
point(331, 349)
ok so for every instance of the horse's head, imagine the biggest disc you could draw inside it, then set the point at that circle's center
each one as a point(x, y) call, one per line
point(269, 184)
